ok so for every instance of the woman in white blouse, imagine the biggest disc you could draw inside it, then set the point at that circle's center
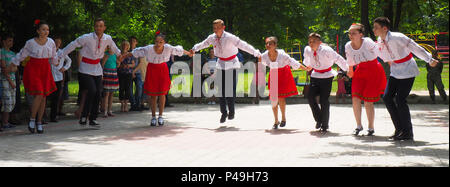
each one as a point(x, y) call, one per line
point(37, 76)
point(157, 81)
point(369, 79)
point(281, 81)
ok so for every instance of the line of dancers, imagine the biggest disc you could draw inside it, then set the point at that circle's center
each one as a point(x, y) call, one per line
point(369, 82)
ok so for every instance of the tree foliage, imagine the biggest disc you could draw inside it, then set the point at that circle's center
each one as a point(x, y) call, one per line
point(189, 21)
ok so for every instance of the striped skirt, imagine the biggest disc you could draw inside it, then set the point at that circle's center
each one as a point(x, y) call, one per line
point(110, 80)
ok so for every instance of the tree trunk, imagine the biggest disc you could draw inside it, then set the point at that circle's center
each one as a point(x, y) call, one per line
point(365, 19)
point(398, 14)
point(389, 10)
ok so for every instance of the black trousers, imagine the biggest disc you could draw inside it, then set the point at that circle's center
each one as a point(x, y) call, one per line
point(321, 88)
point(398, 90)
point(227, 80)
point(55, 97)
point(94, 86)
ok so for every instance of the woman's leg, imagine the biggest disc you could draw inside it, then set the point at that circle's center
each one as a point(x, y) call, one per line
point(370, 111)
point(275, 111)
point(41, 109)
point(162, 102)
point(282, 103)
point(36, 105)
point(357, 108)
point(153, 105)
point(110, 99)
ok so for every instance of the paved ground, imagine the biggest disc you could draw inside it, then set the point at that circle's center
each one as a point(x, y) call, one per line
point(192, 136)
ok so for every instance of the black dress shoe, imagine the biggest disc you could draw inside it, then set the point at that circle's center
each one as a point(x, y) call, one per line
point(83, 122)
point(230, 116)
point(283, 124)
point(404, 136)
point(223, 118)
point(396, 133)
point(318, 125)
point(93, 123)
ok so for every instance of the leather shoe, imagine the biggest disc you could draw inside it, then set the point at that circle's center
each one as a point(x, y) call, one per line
point(223, 118)
point(230, 116)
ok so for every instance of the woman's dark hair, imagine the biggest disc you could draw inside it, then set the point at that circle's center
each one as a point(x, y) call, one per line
point(160, 34)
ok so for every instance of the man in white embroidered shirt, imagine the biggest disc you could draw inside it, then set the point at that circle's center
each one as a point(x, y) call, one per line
point(93, 47)
point(226, 47)
point(397, 49)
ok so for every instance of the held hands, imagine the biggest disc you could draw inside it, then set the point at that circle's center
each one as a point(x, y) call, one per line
point(350, 74)
point(191, 53)
point(434, 63)
point(309, 68)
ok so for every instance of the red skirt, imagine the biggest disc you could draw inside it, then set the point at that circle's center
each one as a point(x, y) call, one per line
point(157, 80)
point(286, 83)
point(38, 78)
point(369, 81)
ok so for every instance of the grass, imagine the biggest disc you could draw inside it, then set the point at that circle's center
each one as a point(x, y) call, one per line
point(245, 79)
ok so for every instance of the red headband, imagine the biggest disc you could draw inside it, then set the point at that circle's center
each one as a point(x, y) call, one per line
point(157, 33)
point(37, 21)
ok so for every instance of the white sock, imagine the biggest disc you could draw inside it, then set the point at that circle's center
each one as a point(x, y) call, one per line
point(32, 123)
point(39, 126)
point(370, 129)
point(359, 127)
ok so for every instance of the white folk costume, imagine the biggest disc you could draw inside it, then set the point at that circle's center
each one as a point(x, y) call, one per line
point(226, 49)
point(322, 77)
point(157, 79)
point(369, 80)
point(399, 49)
point(91, 71)
point(37, 75)
point(280, 74)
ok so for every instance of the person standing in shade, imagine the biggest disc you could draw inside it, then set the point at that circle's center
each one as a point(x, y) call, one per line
point(434, 79)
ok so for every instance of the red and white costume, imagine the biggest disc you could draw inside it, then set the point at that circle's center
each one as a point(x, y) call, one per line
point(37, 75)
point(369, 79)
point(157, 79)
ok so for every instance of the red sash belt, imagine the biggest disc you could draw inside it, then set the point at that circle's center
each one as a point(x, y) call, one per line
point(322, 71)
point(90, 61)
point(406, 59)
point(39, 59)
point(229, 58)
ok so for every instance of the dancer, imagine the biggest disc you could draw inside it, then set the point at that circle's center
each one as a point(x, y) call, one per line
point(281, 81)
point(397, 49)
point(226, 47)
point(320, 58)
point(93, 47)
point(37, 75)
point(369, 79)
point(157, 80)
